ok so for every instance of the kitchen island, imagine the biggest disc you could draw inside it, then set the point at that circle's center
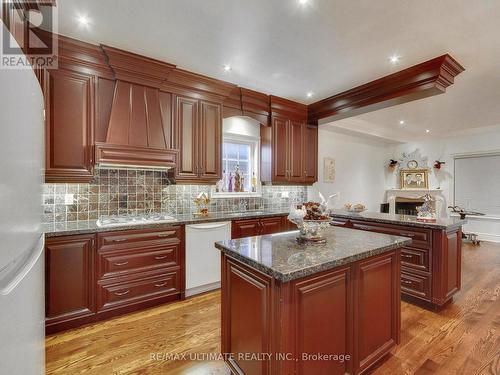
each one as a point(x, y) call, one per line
point(430, 265)
point(329, 308)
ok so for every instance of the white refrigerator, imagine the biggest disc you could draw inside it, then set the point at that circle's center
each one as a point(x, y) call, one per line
point(22, 309)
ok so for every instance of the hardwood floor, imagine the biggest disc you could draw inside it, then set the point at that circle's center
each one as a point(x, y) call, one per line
point(464, 338)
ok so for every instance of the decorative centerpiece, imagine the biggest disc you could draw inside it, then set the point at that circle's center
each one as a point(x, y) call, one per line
point(427, 211)
point(202, 202)
point(311, 222)
point(358, 207)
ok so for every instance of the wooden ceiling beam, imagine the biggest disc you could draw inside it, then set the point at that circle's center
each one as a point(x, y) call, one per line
point(426, 79)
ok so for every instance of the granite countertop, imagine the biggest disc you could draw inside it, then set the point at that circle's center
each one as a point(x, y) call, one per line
point(90, 226)
point(282, 257)
point(406, 220)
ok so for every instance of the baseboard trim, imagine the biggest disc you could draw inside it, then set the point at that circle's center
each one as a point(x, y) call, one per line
point(202, 289)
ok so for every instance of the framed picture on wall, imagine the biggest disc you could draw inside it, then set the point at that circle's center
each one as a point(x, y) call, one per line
point(414, 178)
point(329, 170)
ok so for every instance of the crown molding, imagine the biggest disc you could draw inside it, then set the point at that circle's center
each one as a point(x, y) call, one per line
point(429, 78)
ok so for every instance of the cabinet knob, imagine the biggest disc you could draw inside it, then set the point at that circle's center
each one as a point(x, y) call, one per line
point(121, 263)
point(160, 257)
point(160, 284)
point(119, 240)
point(406, 282)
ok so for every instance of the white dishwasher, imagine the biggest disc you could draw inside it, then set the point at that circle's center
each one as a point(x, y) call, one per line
point(202, 258)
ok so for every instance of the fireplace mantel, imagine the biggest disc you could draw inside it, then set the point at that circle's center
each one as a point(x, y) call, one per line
point(393, 194)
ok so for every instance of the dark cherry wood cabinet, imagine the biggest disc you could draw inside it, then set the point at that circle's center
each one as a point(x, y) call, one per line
point(69, 281)
point(430, 267)
point(310, 153)
point(69, 111)
point(258, 227)
point(186, 128)
point(377, 310)
point(94, 277)
point(352, 310)
point(108, 106)
point(280, 149)
point(317, 332)
point(210, 143)
point(293, 143)
point(296, 145)
point(198, 125)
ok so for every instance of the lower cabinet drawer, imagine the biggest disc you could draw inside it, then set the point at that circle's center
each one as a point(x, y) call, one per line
point(415, 284)
point(118, 292)
point(415, 258)
point(136, 260)
point(422, 237)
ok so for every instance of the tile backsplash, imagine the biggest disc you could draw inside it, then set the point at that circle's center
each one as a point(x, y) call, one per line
point(127, 191)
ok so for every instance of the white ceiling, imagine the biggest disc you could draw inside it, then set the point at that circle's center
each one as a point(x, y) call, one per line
point(326, 46)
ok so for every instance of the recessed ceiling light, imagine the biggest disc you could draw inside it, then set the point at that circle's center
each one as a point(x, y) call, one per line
point(227, 67)
point(309, 94)
point(401, 122)
point(394, 59)
point(303, 2)
point(83, 20)
point(427, 131)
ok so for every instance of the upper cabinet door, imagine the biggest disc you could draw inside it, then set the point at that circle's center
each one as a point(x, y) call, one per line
point(280, 149)
point(210, 140)
point(69, 125)
point(310, 153)
point(186, 129)
point(296, 151)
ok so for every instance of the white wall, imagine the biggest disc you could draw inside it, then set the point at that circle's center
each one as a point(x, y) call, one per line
point(443, 149)
point(360, 165)
point(362, 174)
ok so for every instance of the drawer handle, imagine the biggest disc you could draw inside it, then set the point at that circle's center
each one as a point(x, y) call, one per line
point(160, 257)
point(120, 263)
point(161, 284)
point(406, 256)
point(406, 282)
point(407, 234)
point(122, 293)
point(164, 235)
point(119, 240)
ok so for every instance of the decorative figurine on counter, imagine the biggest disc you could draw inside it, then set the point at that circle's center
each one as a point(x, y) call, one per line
point(230, 183)
point(237, 179)
point(202, 202)
point(242, 187)
point(254, 183)
point(427, 211)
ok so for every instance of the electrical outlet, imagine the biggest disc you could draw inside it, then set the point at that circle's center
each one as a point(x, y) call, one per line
point(69, 198)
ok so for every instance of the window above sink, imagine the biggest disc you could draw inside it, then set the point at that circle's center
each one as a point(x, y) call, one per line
point(240, 152)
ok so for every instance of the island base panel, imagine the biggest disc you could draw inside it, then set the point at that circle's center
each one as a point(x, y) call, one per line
point(351, 311)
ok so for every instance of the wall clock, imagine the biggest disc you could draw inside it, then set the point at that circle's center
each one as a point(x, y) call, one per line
point(412, 164)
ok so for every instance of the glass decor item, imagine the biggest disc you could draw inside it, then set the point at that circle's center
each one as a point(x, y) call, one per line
point(311, 222)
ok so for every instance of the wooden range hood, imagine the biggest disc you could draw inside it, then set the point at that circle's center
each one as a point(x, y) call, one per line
point(139, 129)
